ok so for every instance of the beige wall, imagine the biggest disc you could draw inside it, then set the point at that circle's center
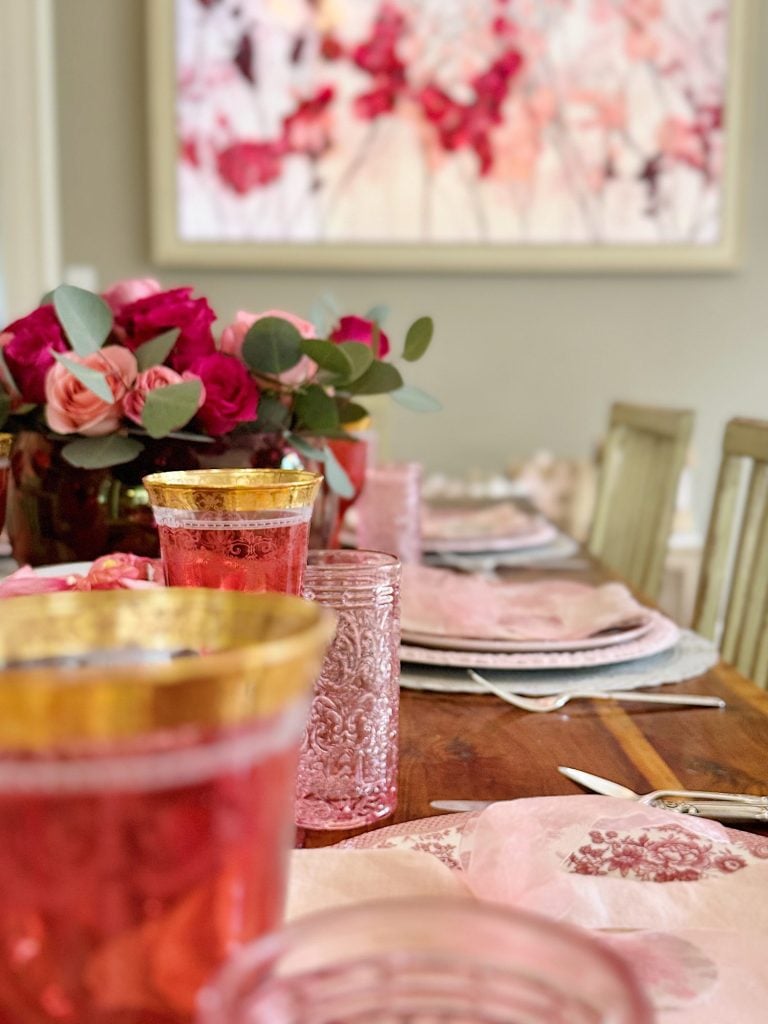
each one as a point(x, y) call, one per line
point(520, 362)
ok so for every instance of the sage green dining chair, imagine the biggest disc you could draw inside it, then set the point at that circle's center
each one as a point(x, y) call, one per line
point(733, 583)
point(643, 456)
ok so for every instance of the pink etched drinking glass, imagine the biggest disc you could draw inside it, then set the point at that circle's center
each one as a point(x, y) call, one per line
point(348, 763)
point(425, 961)
point(389, 510)
point(234, 529)
point(6, 440)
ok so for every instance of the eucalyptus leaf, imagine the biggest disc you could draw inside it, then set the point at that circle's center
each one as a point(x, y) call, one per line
point(416, 400)
point(94, 380)
point(328, 356)
point(5, 407)
point(85, 317)
point(418, 338)
point(272, 345)
point(378, 379)
point(351, 412)
point(100, 452)
point(378, 314)
point(359, 355)
point(155, 352)
point(336, 476)
point(272, 414)
point(168, 409)
point(304, 448)
point(316, 409)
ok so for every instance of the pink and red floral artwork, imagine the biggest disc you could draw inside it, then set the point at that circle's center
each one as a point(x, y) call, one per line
point(485, 122)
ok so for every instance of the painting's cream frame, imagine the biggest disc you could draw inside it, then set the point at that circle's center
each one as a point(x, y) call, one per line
point(170, 250)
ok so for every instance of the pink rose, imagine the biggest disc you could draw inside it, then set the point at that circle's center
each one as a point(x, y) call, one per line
point(232, 339)
point(27, 345)
point(231, 395)
point(72, 408)
point(123, 293)
point(154, 377)
point(357, 328)
point(124, 571)
point(145, 318)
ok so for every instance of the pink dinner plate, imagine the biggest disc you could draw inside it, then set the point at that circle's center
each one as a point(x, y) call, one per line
point(609, 638)
point(660, 636)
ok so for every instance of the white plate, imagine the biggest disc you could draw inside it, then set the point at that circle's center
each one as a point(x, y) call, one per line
point(662, 635)
point(65, 569)
point(467, 643)
point(544, 534)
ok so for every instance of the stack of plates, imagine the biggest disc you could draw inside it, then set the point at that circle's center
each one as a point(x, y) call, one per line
point(610, 648)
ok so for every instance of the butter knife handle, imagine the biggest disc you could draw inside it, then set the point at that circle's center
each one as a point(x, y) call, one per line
point(717, 810)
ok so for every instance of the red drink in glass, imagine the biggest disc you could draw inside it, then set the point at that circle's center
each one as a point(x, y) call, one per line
point(234, 529)
point(352, 454)
point(259, 557)
point(145, 793)
point(124, 887)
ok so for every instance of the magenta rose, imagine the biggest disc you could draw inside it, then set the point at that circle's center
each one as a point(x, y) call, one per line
point(123, 293)
point(231, 395)
point(28, 345)
point(357, 328)
point(72, 408)
point(149, 380)
point(145, 318)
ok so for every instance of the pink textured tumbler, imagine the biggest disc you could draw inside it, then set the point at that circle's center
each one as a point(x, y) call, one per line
point(348, 763)
point(425, 961)
point(389, 510)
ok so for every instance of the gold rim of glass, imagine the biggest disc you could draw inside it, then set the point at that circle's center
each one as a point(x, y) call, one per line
point(259, 652)
point(233, 490)
point(6, 440)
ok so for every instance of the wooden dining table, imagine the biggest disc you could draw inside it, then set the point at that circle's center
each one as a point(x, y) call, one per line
point(477, 747)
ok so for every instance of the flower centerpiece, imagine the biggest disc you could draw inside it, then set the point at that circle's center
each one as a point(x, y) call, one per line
point(135, 379)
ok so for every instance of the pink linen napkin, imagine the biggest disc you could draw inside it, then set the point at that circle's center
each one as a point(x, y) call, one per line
point(445, 603)
point(682, 898)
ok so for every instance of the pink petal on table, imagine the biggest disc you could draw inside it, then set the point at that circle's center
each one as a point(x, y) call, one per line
point(26, 582)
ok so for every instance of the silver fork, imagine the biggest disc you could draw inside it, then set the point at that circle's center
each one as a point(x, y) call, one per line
point(557, 700)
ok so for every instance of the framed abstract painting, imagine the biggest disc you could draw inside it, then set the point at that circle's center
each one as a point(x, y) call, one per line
point(447, 134)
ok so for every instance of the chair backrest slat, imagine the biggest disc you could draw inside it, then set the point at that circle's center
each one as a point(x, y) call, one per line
point(644, 455)
point(733, 585)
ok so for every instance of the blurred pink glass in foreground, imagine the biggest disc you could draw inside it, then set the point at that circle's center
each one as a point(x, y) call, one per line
point(389, 511)
point(425, 961)
point(348, 764)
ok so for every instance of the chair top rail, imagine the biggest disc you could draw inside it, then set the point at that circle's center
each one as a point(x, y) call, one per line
point(671, 423)
point(747, 438)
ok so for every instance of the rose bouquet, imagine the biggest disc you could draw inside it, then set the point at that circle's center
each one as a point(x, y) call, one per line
point(107, 374)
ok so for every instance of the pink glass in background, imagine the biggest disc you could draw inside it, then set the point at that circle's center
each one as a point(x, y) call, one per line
point(247, 529)
point(6, 440)
point(425, 961)
point(389, 511)
point(355, 456)
point(348, 764)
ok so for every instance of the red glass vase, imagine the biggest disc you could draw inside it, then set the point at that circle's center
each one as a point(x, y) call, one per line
point(59, 513)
